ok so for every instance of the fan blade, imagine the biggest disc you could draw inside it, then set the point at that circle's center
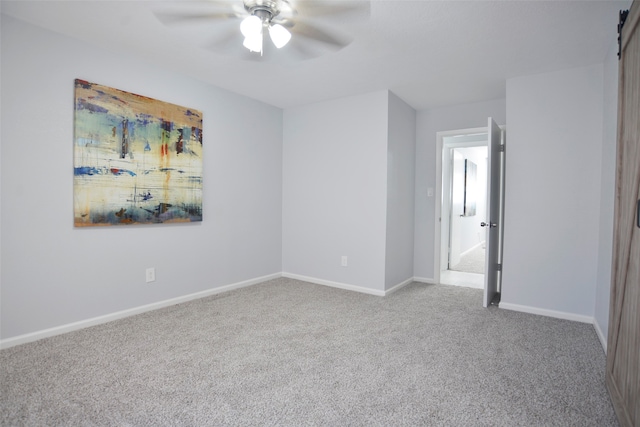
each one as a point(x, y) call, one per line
point(309, 8)
point(300, 51)
point(231, 41)
point(170, 18)
point(205, 11)
point(313, 32)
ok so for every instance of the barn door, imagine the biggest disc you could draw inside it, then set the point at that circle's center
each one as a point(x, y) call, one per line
point(623, 347)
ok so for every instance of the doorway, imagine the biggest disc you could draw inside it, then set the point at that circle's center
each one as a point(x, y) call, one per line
point(463, 207)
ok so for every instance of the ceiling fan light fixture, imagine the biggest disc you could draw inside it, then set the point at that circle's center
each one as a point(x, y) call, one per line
point(280, 36)
point(253, 42)
point(251, 26)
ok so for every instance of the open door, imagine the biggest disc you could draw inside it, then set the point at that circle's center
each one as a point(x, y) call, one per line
point(495, 192)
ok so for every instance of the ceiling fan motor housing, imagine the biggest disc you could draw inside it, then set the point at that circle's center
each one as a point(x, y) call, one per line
point(266, 10)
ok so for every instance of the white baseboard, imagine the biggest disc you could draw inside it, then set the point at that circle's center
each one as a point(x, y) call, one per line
point(348, 287)
point(58, 330)
point(601, 337)
point(399, 286)
point(335, 284)
point(468, 251)
point(425, 280)
point(548, 313)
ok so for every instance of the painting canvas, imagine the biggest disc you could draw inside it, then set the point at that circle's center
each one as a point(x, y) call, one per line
point(137, 160)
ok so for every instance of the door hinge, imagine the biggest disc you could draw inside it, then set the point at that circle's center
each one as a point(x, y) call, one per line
point(498, 267)
point(501, 148)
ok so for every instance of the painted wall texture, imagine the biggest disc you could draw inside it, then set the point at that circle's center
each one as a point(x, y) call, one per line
point(607, 191)
point(553, 195)
point(54, 274)
point(401, 148)
point(335, 190)
point(296, 190)
point(348, 191)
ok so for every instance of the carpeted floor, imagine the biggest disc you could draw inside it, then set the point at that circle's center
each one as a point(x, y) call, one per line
point(472, 262)
point(290, 353)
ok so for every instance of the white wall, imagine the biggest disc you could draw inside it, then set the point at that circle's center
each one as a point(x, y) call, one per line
point(338, 177)
point(607, 192)
point(54, 274)
point(552, 200)
point(335, 190)
point(400, 192)
point(428, 123)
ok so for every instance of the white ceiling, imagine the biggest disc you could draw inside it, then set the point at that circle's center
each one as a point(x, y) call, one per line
point(429, 53)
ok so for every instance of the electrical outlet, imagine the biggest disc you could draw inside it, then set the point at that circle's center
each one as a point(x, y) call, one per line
point(344, 261)
point(151, 275)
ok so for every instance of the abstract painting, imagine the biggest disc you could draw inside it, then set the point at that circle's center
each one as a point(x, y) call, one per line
point(137, 160)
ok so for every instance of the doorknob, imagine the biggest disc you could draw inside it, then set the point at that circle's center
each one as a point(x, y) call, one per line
point(490, 225)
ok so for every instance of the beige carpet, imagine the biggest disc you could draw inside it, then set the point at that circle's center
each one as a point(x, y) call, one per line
point(289, 353)
point(471, 262)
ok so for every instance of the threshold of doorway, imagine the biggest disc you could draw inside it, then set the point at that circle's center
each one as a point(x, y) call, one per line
point(460, 278)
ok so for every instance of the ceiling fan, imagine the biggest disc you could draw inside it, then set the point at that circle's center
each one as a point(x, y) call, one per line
point(282, 20)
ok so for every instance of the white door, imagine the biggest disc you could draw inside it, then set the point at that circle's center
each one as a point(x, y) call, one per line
point(493, 226)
